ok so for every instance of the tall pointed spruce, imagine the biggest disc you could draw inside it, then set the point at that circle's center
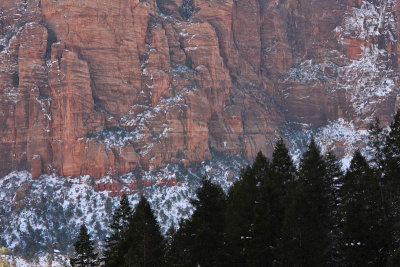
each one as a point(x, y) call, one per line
point(178, 254)
point(334, 176)
point(376, 144)
point(240, 216)
point(362, 221)
point(306, 233)
point(270, 207)
point(392, 148)
point(391, 183)
point(392, 161)
point(84, 250)
point(114, 248)
point(207, 225)
point(146, 246)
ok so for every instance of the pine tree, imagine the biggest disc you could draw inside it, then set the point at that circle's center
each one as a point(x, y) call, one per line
point(392, 160)
point(241, 201)
point(391, 182)
point(114, 248)
point(146, 246)
point(270, 207)
point(260, 167)
point(178, 253)
point(169, 246)
point(306, 233)
point(169, 237)
point(334, 177)
point(207, 226)
point(362, 221)
point(394, 258)
point(84, 250)
point(376, 144)
point(282, 167)
point(392, 148)
point(240, 216)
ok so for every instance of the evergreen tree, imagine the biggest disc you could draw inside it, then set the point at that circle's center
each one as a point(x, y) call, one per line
point(144, 241)
point(380, 160)
point(207, 225)
point(169, 243)
point(376, 144)
point(392, 162)
point(260, 167)
point(240, 215)
point(307, 229)
point(362, 221)
point(391, 182)
point(281, 167)
point(169, 238)
point(392, 150)
point(334, 176)
point(114, 247)
point(394, 258)
point(84, 250)
point(178, 253)
point(270, 207)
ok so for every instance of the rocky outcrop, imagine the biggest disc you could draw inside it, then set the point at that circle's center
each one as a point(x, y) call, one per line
point(105, 87)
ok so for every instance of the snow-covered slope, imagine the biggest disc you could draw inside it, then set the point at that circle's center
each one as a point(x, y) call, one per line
point(40, 218)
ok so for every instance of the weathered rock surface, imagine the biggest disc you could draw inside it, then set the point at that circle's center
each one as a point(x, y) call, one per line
point(104, 87)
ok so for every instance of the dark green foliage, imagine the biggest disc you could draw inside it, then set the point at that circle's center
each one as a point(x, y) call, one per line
point(187, 9)
point(51, 39)
point(15, 79)
point(334, 176)
point(282, 167)
point(169, 243)
point(391, 183)
point(270, 207)
point(84, 250)
point(306, 232)
point(181, 11)
point(364, 237)
point(200, 239)
point(276, 215)
point(144, 242)
point(189, 61)
point(393, 139)
point(114, 252)
point(108, 206)
point(382, 146)
point(240, 216)
point(392, 160)
point(32, 240)
point(207, 225)
point(394, 258)
point(376, 142)
point(178, 253)
point(260, 167)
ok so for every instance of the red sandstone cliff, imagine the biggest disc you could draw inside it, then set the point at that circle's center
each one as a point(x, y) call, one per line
point(96, 87)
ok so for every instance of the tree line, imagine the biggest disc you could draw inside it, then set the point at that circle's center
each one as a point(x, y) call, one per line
point(275, 214)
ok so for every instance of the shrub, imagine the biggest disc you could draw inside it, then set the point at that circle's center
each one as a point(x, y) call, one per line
point(15, 79)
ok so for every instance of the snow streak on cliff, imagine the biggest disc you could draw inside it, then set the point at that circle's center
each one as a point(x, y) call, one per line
point(368, 79)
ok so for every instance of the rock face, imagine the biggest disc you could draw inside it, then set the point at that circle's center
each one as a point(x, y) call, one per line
point(105, 87)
